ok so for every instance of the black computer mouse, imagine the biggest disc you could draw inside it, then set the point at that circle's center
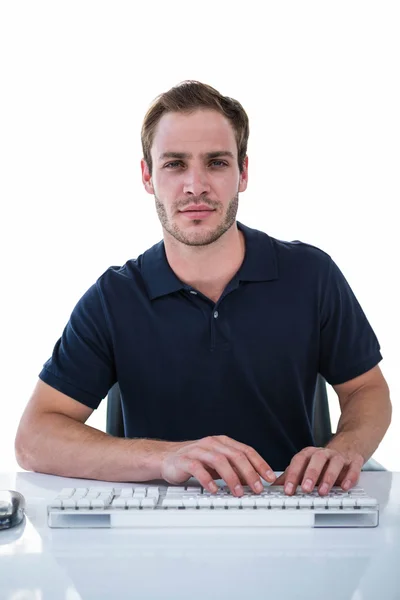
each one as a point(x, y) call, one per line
point(12, 508)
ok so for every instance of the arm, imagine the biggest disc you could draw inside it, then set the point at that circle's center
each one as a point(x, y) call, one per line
point(52, 438)
point(348, 347)
point(366, 414)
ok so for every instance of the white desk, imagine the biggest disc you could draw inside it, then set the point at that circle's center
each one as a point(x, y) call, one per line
point(39, 563)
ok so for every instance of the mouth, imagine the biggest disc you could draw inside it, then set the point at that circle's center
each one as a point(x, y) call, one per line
point(197, 214)
point(198, 210)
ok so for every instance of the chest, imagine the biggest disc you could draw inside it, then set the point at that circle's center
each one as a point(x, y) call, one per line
point(181, 338)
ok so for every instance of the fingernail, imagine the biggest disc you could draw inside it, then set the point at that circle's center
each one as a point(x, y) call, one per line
point(213, 487)
point(259, 486)
point(288, 488)
point(308, 484)
point(347, 484)
point(238, 490)
point(270, 475)
point(324, 488)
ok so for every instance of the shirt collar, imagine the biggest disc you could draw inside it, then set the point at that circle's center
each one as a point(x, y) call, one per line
point(260, 264)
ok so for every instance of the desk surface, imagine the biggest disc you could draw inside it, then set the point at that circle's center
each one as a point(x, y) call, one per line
point(39, 563)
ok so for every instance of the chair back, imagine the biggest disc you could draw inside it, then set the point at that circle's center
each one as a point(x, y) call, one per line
point(115, 419)
point(322, 428)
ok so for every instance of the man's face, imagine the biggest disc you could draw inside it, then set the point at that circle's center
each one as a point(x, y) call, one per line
point(194, 179)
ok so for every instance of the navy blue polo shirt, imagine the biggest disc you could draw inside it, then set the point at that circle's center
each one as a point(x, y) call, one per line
point(244, 367)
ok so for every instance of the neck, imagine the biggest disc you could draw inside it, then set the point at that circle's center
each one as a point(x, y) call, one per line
point(207, 268)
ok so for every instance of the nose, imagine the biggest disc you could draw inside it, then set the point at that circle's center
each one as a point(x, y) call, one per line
point(195, 183)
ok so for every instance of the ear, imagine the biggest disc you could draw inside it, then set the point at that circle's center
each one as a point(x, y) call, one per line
point(146, 177)
point(244, 175)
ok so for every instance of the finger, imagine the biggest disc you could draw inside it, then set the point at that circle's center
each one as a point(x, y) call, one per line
point(342, 474)
point(216, 475)
point(241, 478)
point(316, 465)
point(350, 479)
point(241, 463)
point(220, 463)
point(332, 471)
point(196, 469)
point(257, 462)
point(296, 469)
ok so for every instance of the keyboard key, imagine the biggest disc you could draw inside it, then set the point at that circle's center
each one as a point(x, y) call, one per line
point(334, 502)
point(176, 489)
point(148, 503)
point(194, 489)
point(204, 502)
point(291, 502)
point(190, 502)
point(97, 503)
point(81, 492)
point(305, 502)
point(133, 502)
point(276, 502)
point(248, 502)
point(172, 502)
point(139, 494)
point(320, 502)
point(66, 492)
point(233, 502)
point(348, 502)
point(118, 502)
point(367, 502)
point(262, 502)
point(219, 502)
point(92, 494)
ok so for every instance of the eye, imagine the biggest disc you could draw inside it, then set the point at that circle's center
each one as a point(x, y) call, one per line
point(224, 164)
point(177, 162)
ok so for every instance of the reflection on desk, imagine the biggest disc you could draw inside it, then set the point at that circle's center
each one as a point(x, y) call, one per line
point(353, 564)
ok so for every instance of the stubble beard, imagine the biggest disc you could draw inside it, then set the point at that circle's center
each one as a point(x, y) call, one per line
point(200, 237)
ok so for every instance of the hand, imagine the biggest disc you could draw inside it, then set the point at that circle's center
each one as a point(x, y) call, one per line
point(323, 466)
point(216, 457)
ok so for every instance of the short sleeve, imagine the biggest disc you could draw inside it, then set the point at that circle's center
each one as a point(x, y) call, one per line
point(82, 364)
point(348, 344)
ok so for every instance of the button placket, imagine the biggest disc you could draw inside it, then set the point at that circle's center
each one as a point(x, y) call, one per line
point(215, 315)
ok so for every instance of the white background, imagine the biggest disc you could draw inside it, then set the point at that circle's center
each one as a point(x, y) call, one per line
point(320, 83)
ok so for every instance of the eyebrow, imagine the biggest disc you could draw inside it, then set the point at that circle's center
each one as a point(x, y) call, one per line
point(209, 155)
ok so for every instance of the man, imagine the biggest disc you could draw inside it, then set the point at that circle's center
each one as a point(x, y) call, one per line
point(215, 335)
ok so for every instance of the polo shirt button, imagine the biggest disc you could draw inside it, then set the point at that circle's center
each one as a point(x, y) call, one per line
point(216, 314)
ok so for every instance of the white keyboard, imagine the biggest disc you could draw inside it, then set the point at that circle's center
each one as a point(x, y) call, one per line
point(193, 506)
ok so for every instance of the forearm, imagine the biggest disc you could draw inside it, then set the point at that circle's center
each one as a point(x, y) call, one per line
point(364, 421)
point(59, 445)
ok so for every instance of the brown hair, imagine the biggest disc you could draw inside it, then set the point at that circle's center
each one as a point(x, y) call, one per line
point(186, 97)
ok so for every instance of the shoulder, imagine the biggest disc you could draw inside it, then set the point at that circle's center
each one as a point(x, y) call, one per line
point(301, 258)
point(284, 251)
point(131, 272)
point(298, 251)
